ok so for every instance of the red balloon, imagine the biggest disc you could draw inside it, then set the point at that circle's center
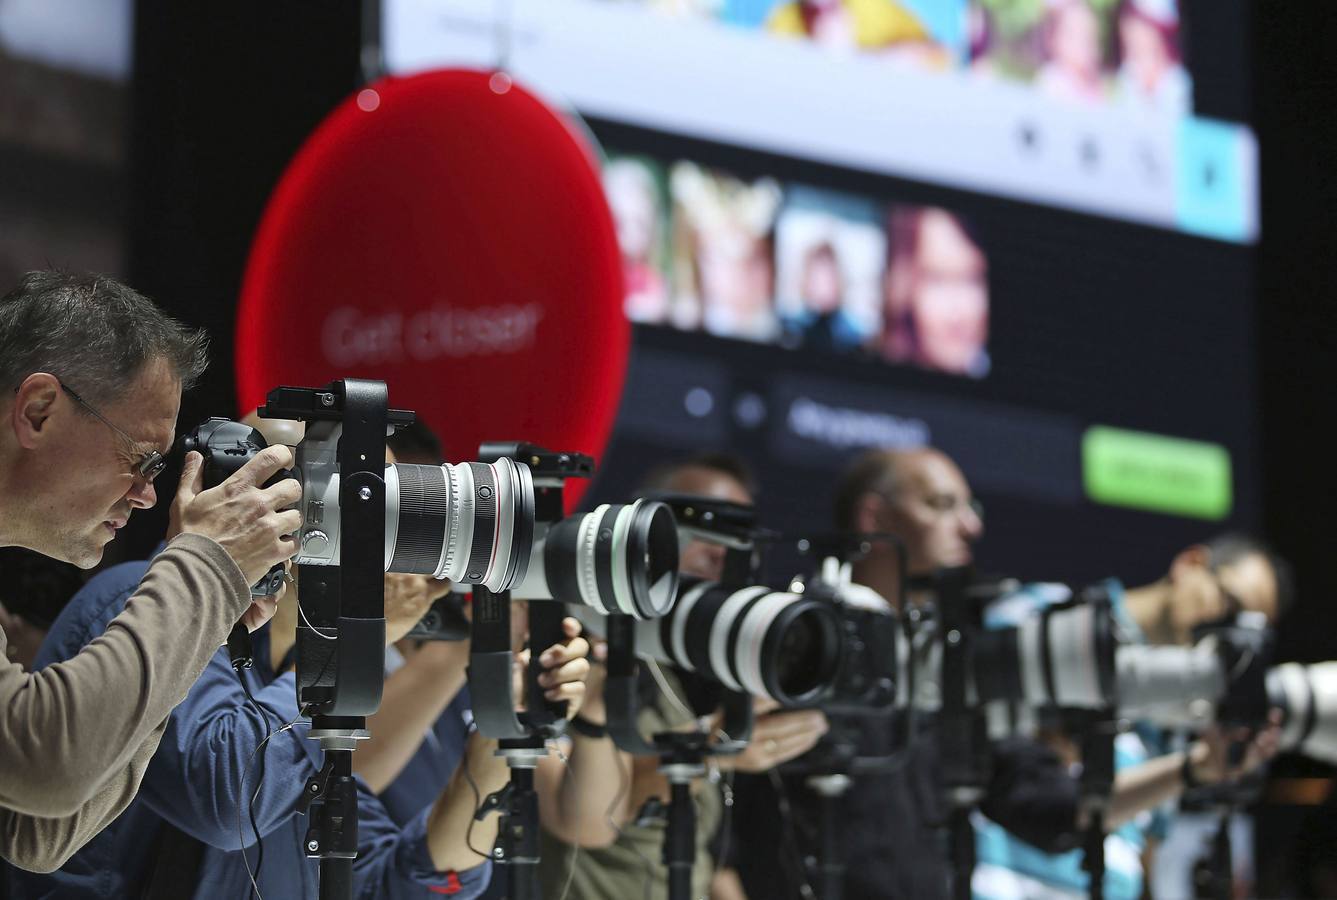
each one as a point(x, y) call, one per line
point(446, 233)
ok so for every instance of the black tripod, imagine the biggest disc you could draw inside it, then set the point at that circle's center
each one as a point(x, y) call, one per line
point(522, 738)
point(340, 648)
point(682, 755)
point(962, 727)
point(330, 798)
point(682, 759)
point(1098, 731)
point(517, 845)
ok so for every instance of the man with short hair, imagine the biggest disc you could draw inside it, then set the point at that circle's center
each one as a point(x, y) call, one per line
point(921, 497)
point(1025, 845)
point(890, 824)
point(608, 860)
point(93, 374)
point(226, 777)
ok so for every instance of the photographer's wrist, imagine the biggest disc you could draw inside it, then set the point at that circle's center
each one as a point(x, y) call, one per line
point(579, 724)
point(1196, 769)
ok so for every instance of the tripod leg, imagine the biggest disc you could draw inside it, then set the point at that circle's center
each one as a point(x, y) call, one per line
point(1093, 857)
point(336, 878)
point(832, 874)
point(680, 841)
point(962, 836)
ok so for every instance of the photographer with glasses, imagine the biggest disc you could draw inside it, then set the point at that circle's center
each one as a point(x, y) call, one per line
point(893, 850)
point(94, 374)
point(1031, 819)
point(890, 820)
point(218, 812)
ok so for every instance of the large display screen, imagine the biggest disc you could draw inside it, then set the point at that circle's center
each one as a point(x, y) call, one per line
point(1018, 230)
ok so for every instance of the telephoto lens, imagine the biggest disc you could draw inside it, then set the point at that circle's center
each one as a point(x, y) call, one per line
point(751, 639)
point(472, 523)
point(1307, 698)
point(618, 558)
point(1170, 685)
point(1061, 656)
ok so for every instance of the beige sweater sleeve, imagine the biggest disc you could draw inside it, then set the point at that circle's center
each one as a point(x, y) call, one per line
point(41, 844)
point(69, 733)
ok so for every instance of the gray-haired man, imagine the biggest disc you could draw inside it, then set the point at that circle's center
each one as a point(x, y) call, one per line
point(92, 375)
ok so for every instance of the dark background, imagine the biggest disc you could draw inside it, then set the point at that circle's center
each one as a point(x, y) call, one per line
point(1093, 320)
point(223, 94)
point(1120, 324)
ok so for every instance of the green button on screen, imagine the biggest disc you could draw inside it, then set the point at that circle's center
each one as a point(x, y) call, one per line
point(1157, 473)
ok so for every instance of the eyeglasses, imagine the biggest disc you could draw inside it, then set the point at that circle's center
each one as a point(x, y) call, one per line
point(1230, 600)
point(149, 465)
point(949, 504)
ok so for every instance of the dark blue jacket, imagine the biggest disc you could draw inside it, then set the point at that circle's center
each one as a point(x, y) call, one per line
point(195, 783)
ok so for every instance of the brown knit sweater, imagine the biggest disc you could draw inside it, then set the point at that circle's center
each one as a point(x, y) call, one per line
point(76, 737)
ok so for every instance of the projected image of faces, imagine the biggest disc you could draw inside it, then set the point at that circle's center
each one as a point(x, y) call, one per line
point(937, 294)
point(723, 270)
point(923, 33)
point(1085, 51)
point(807, 269)
point(635, 192)
point(830, 252)
point(928, 34)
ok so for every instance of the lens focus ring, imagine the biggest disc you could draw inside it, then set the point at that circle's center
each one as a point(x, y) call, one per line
point(423, 495)
point(485, 524)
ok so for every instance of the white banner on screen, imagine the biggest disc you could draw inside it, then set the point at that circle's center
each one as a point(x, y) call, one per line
point(624, 62)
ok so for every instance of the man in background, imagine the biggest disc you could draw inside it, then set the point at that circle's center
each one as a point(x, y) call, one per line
point(625, 859)
point(33, 590)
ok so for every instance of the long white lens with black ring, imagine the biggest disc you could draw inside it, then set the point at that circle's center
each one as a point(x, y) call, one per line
point(1165, 682)
point(1307, 698)
point(1058, 657)
point(677, 623)
point(1079, 655)
point(778, 645)
point(472, 523)
point(620, 558)
point(722, 645)
point(752, 640)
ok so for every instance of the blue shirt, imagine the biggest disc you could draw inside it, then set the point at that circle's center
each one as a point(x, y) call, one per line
point(430, 769)
point(432, 765)
point(1008, 866)
point(194, 782)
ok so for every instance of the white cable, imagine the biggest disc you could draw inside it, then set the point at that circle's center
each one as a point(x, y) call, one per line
point(667, 690)
point(302, 613)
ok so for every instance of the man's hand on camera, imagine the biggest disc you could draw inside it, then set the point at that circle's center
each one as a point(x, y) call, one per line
point(253, 524)
point(565, 667)
point(407, 599)
point(1214, 765)
point(777, 737)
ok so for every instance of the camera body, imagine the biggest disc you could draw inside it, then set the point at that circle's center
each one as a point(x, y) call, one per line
point(226, 446)
point(871, 641)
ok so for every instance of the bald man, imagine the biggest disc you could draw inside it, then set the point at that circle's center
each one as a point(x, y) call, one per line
point(920, 496)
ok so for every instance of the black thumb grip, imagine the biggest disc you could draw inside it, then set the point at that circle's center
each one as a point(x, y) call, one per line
point(239, 647)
